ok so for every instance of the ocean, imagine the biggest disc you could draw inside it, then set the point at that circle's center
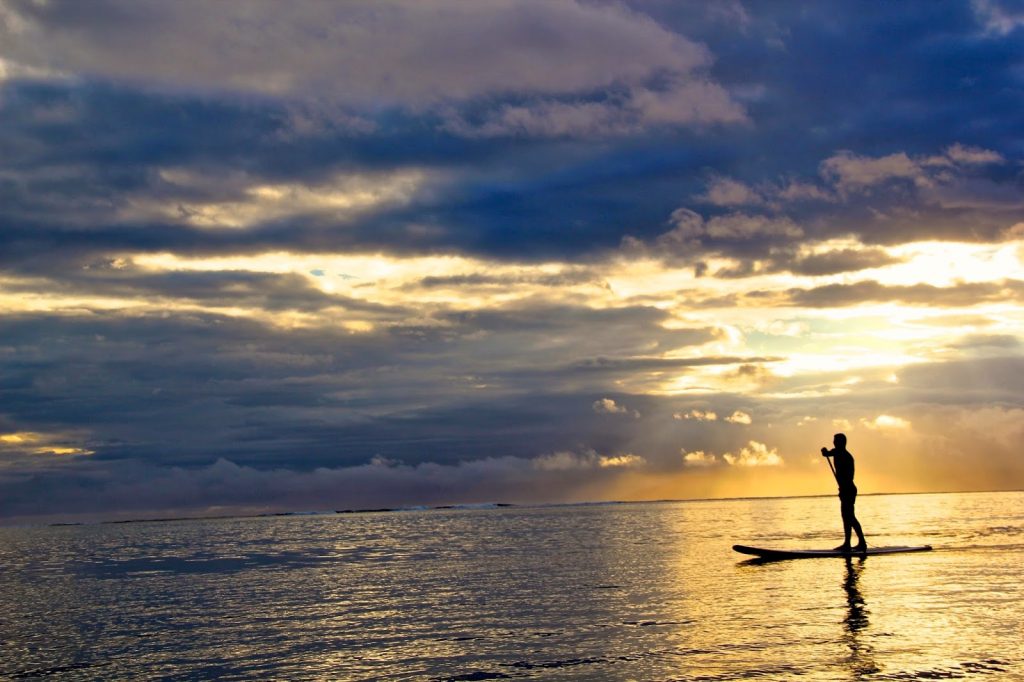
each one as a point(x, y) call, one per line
point(631, 591)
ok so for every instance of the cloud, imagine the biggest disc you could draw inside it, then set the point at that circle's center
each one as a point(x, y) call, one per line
point(962, 294)
point(963, 154)
point(795, 191)
point(967, 381)
point(739, 417)
point(423, 235)
point(851, 172)
point(754, 455)
point(947, 180)
point(134, 489)
point(627, 460)
point(400, 54)
point(992, 342)
point(1014, 232)
point(723, 191)
point(836, 261)
point(686, 103)
point(874, 198)
point(589, 459)
point(688, 226)
point(699, 458)
point(609, 406)
point(697, 415)
point(250, 201)
point(999, 17)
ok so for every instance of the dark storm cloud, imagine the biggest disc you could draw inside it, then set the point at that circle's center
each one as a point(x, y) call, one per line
point(836, 76)
point(888, 80)
point(258, 393)
point(87, 175)
point(65, 183)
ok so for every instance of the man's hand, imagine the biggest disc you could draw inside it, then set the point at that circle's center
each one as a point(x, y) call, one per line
point(824, 452)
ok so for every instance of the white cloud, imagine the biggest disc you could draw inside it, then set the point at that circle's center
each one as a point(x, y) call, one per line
point(698, 415)
point(627, 460)
point(699, 458)
point(589, 459)
point(609, 406)
point(739, 417)
point(754, 455)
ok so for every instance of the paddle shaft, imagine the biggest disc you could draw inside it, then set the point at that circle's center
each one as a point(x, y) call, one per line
point(834, 474)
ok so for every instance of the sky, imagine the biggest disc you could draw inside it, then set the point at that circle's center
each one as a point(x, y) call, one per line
point(262, 256)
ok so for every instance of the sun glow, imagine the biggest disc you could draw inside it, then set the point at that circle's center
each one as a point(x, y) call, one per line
point(945, 264)
point(40, 444)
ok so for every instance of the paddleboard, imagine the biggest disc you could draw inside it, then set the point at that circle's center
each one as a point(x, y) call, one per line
point(764, 553)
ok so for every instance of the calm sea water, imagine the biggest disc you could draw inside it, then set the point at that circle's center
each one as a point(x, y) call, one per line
point(604, 592)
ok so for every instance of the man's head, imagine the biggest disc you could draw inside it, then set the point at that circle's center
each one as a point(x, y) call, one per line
point(839, 440)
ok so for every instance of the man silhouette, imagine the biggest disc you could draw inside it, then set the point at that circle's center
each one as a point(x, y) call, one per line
point(847, 492)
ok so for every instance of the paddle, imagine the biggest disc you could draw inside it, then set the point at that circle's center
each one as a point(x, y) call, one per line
point(829, 460)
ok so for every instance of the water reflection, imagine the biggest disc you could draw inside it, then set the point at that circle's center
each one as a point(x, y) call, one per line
point(607, 592)
point(861, 659)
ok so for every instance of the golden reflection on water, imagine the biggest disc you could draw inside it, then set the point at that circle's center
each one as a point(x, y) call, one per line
point(605, 592)
point(861, 653)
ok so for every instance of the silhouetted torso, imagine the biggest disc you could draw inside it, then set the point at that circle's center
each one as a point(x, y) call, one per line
point(844, 470)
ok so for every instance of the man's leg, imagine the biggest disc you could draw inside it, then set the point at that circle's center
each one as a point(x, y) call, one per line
point(861, 542)
point(845, 509)
point(850, 514)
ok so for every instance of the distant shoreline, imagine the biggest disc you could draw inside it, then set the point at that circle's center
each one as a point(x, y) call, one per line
point(470, 507)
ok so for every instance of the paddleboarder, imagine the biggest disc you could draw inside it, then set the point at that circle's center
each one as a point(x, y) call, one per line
point(843, 472)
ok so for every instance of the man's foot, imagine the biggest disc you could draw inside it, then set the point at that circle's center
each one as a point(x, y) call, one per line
point(842, 548)
point(860, 547)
